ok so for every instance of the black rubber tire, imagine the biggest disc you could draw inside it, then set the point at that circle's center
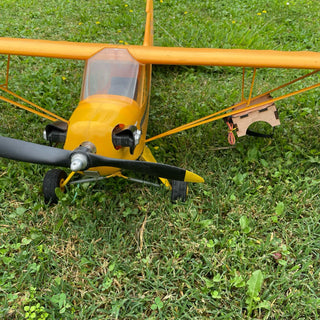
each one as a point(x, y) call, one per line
point(51, 181)
point(179, 191)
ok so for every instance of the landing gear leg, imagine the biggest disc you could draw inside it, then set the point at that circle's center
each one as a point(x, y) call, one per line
point(179, 190)
point(53, 179)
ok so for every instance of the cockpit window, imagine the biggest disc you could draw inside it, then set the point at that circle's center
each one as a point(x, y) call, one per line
point(113, 72)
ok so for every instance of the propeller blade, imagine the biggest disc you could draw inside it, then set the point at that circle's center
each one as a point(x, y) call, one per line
point(149, 168)
point(36, 153)
point(32, 152)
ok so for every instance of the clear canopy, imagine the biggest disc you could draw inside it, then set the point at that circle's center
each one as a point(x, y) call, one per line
point(113, 72)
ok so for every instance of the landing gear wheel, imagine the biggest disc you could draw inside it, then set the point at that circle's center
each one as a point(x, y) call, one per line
point(179, 190)
point(52, 180)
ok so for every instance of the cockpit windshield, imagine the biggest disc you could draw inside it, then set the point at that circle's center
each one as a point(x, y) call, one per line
point(113, 72)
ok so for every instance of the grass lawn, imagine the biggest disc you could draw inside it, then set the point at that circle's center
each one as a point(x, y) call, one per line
point(245, 244)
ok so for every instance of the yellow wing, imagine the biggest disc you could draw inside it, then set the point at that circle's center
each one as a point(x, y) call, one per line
point(166, 55)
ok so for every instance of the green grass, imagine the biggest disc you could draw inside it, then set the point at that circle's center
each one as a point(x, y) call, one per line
point(117, 250)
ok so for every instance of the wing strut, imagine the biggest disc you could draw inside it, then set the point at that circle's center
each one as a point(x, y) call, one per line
point(44, 113)
point(250, 104)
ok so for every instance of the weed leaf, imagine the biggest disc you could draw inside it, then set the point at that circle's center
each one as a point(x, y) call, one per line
point(244, 224)
point(255, 283)
point(279, 208)
point(264, 305)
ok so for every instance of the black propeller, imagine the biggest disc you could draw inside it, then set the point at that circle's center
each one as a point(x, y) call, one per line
point(36, 153)
point(31, 152)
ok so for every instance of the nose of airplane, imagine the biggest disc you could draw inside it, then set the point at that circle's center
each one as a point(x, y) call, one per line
point(95, 120)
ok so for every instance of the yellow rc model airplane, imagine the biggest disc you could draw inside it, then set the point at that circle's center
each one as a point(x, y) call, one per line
point(107, 131)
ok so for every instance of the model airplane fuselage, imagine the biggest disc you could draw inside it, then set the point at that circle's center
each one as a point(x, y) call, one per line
point(113, 111)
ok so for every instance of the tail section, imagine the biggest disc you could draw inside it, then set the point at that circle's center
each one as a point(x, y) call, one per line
point(148, 35)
